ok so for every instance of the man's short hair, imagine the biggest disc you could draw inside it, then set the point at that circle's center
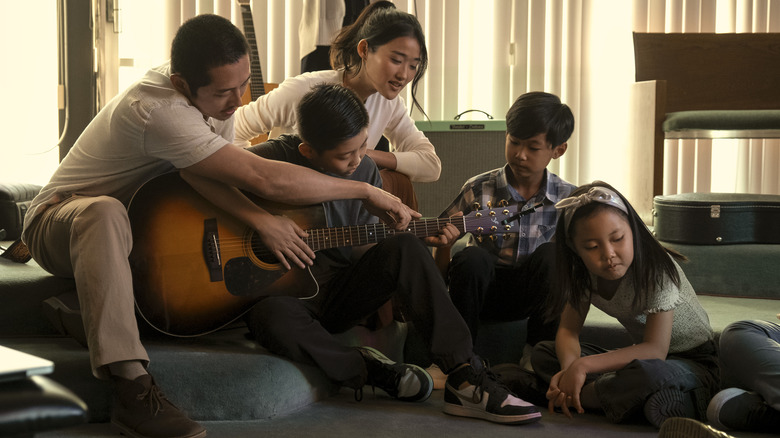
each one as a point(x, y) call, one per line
point(202, 43)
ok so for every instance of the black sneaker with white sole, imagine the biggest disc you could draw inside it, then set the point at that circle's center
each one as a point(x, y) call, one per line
point(737, 409)
point(405, 382)
point(474, 391)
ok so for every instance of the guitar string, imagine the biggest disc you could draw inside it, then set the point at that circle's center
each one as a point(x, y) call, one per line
point(322, 238)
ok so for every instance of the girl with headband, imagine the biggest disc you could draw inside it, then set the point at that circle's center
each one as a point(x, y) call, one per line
point(609, 259)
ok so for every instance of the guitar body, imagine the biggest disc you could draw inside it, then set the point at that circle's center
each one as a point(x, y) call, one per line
point(196, 268)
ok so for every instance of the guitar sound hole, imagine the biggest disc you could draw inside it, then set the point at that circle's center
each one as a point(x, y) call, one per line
point(261, 252)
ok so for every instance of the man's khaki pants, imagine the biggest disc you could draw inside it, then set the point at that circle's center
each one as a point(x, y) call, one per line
point(89, 239)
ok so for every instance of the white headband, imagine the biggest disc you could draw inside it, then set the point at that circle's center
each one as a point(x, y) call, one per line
point(595, 194)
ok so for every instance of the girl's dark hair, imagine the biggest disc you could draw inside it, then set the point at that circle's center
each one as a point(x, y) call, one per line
point(378, 24)
point(652, 262)
point(202, 43)
point(538, 112)
point(330, 114)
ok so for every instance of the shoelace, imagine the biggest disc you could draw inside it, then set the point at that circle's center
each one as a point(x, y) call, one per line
point(388, 384)
point(156, 398)
point(485, 378)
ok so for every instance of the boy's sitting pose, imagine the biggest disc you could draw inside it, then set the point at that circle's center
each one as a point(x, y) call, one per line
point(507, 279)
point(355, 282)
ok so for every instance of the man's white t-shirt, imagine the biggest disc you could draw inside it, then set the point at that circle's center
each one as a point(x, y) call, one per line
point(143, 132)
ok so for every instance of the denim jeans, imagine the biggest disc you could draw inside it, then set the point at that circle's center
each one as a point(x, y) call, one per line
point(750, 358)
point(623, 393)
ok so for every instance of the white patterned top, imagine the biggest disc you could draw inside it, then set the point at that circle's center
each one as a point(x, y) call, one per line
point(691, 326)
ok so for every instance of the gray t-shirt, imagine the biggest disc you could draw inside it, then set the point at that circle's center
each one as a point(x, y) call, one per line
point(339, 213)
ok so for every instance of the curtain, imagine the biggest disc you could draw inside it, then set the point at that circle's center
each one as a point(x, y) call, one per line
point(485, 53)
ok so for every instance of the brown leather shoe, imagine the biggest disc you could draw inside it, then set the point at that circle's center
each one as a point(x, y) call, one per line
point(142, 411)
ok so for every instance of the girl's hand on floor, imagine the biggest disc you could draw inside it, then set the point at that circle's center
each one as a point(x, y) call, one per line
point(564, 392)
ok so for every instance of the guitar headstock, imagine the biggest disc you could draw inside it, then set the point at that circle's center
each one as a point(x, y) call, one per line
point(492, 222)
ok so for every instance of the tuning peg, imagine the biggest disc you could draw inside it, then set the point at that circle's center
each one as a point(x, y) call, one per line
point(505, 212)
point(508, 236)
point(476, 207)
point(479, 239)
point(493, 237)
point(503, 203)
point(490, 204)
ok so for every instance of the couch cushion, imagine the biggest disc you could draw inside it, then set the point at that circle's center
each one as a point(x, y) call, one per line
point(23, 286)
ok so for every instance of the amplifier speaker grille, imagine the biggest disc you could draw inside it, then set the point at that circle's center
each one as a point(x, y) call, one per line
point(463, 154)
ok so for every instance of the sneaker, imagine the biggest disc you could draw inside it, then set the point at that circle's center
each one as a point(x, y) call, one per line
point(522, 383)
point(474, 391)
point(142, 411)
point(671, 402)
point(737, 409)
point(403, 381)
point(679, 427)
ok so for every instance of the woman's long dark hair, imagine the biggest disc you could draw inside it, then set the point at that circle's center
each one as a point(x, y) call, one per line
point(652, 262)
point(378, 24)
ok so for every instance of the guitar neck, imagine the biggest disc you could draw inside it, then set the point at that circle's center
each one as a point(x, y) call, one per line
point(356, 235)
point(257, 84)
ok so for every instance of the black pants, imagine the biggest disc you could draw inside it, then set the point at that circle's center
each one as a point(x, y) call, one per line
point(481, 290)
point(623, 393)
point(400, 267)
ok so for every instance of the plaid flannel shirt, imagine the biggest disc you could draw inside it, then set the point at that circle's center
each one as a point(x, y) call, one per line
point(535, 228)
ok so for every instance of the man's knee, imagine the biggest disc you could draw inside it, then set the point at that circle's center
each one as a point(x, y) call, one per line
point(103, 212)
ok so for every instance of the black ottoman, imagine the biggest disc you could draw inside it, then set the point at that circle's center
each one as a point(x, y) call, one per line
point(37, 404)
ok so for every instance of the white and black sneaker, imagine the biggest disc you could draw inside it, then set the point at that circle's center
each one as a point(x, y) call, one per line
point(474, 391)
point(405, 382)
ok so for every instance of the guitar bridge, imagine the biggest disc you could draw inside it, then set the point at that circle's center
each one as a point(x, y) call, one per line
point(211, 252)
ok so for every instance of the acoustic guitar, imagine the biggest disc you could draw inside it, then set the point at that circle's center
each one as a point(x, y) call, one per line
point(256, 84)
point(196, 268)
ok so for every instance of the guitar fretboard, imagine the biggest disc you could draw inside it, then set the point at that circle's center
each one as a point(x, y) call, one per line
point(356, 235)
point(256, 87)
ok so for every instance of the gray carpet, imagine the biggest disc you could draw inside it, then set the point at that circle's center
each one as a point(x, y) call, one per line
point(380, 416)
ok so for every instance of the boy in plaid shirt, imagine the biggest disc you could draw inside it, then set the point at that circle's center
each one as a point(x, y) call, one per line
point(507, 279)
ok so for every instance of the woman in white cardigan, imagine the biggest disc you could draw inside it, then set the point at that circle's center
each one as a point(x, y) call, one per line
point(375, 57)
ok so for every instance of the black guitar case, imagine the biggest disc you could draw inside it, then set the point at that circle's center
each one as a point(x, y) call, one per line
point(14, 200)
point(717, 218)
